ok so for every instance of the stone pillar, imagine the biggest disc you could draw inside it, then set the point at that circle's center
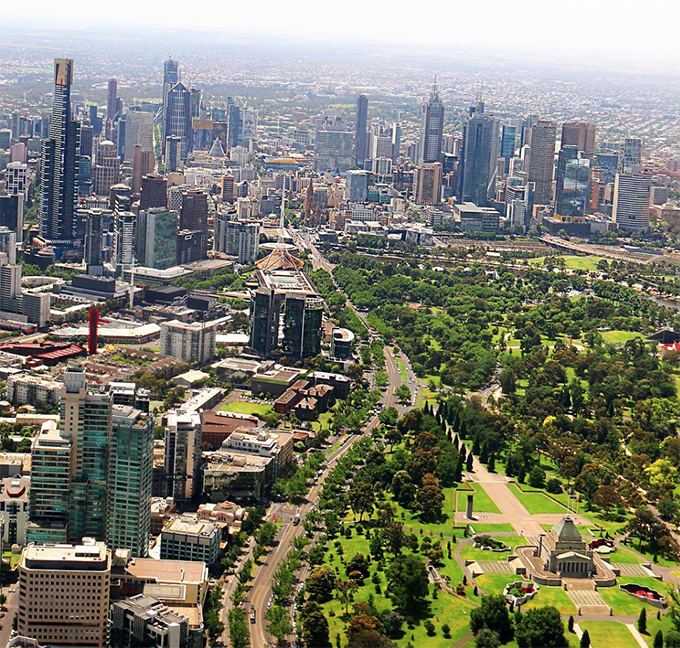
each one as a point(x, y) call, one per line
point(468, 513)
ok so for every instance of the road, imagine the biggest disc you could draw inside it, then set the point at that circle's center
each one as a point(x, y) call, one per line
point(260, 590)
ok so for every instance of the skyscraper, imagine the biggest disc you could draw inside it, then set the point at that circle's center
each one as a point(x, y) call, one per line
point(580, 135)
point(429, 183)
point(157, 238)
point(138, 132)
point(360, 132)
point(571, 182)
point(59, 158)
point(178, 117)
point(111, 106)
point(631, 154)
point(183, 441)
point(86, 419)
point(170, 78)
point(432, 130)
point(129, 480)
point(542, 160)
point(478, 154)
point(631, 200)
point(508, 136)
point(48, 504)
point(93, 242)
point(154, 192)
point(194, 212)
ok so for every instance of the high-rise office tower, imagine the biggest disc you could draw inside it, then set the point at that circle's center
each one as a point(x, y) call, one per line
point(233, 125)
point(170, 78)
point(8, 246)
point(631, 200)
point(64, 594)
point(138, 132)
point(237, 238)
point(265, 314)
point(106, 172)
point(248, 127)
point(572, 178)
point(360, 131)
point(508, 136)
point(478, 155)
point(183, 442)
point(157, 238)
point(428, 181)
point(59, 157)
point(173, 150)
point(143, 163)
point(178, 117)
point(111, 106)
point(86, 140)
point(12, 214)
point(94, 228)
point(10, 288)
point(303, 326)
point(86, 419)
point(432, 129)
point(543, 135)
point(48, 502)
point(580, 135)
point(154, 192)
point(124, 235)
point(631, 154)
point(129, 480)
point(194, 212)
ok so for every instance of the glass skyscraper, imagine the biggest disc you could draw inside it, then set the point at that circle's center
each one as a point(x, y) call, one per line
point(572, 181)
point(130, 477)
point(60, 154)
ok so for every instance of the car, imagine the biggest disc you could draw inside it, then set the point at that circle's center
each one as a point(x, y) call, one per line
point(253, 615)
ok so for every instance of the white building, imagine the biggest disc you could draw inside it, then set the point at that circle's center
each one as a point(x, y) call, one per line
point(183, 442)
point(18, 179)
point(631, 201)
point(192, 342)
point(138, 132)
point(237, 238)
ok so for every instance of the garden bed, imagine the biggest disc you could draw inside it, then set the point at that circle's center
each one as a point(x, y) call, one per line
point(519, 592)
point(487, 543)
point(646, 594)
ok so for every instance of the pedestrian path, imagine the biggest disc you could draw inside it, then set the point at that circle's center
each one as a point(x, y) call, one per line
point(635, 569)
point(589, 602)
point(495, 567)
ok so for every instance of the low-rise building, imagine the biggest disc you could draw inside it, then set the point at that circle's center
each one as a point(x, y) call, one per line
point(14, 510)
point(142, 620)
point(28, 389)
point(187, 538)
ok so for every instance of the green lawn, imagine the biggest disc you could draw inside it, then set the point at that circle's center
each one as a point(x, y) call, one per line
point(554, 596)
point(492, 528)
point(623, 556)
point(537, 502)
point(444, 609)
point(482, 503)
point(573, 262)
point(402, 368)
point(619, 337)
point(607, 634)
point(665, 624)
point(323, 422)
point(244, 407)
point(622, 603)
point(495, 583)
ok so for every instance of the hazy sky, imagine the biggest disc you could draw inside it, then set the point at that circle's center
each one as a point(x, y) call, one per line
point(630, 28)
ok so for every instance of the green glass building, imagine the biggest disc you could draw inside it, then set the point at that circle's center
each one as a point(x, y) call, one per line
point(130, 476)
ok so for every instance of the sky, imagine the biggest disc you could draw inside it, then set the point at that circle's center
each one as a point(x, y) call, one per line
point(624, 29)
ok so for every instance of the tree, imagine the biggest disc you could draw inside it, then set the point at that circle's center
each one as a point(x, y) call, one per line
point(570, 623)
point(359, 563)
point(658, 639)
point(672, 639)
point(408, 584)
point(320, 583)
point(266, 534)
point(430, 498)
point(392, 622)
point(541, 627)
point(492, 614)
point(314, 625)
point(362, 498)
point(606, 498)
point(346, 590)
point(468, 462)
point(487, 638)
point(366, 631)
point(585, 640)
point(537, 477)
point(642, 621)
point(279, 622)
